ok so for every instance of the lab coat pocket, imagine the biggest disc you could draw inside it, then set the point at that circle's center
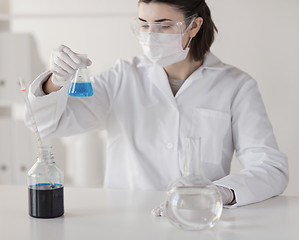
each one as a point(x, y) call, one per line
point(212, 126)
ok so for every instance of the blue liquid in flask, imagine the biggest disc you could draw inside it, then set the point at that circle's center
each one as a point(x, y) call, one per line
point(81, 89)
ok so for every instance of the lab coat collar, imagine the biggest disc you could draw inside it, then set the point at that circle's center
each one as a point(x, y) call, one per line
point(159, 77)
point(212, 62)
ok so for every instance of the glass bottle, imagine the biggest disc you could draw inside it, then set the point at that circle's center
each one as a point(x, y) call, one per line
point(193, 202)
point(81, 85)
point(45, 186)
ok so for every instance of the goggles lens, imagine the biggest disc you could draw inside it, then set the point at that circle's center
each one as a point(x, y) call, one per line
point(139, 27)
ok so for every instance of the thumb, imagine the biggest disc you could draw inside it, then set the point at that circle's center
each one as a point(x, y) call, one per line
point(89, 62)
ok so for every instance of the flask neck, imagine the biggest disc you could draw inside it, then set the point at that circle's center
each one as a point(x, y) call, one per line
point(82, 67)
point(193, 157)
point(45, 154)
point(83, 59)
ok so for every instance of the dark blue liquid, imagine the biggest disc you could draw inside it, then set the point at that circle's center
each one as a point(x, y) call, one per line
point(45, 201)
point(81, 89)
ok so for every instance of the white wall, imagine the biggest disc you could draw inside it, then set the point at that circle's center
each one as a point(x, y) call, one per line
point(95, 27)
point(4, 9)
point(259, 36)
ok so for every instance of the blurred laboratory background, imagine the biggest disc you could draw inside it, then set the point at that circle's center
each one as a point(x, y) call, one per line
point(259, 37)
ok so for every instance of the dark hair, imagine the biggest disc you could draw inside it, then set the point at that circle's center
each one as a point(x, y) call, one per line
point(203, 40)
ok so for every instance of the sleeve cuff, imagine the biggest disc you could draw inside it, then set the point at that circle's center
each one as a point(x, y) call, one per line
point(36, 88)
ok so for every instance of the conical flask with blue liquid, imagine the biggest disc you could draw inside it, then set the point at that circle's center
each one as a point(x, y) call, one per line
point(81, 84)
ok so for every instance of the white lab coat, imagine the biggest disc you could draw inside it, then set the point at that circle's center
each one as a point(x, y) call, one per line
point(146, 126)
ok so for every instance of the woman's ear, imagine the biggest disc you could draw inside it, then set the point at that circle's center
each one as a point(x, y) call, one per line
point(196, 25)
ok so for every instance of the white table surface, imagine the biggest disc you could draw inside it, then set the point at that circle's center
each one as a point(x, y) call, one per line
point(116, 214)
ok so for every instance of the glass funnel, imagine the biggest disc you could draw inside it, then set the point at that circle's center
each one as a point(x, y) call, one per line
point(81, 85)
point(193, 202)
point(45, 186)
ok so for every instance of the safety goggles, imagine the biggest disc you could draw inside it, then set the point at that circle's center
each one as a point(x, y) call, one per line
point(169, 27)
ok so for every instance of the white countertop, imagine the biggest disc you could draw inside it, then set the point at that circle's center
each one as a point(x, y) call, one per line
point(116, 214)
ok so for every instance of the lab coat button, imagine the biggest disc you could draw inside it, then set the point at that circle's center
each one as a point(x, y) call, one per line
point(169, 145)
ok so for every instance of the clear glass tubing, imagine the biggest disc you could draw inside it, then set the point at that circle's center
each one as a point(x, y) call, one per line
point(193, 202)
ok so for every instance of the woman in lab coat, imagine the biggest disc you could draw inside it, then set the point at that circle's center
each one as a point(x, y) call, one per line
point(148, 105)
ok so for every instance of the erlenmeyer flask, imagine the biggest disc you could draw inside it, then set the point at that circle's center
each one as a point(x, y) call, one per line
point(81, 85)
point(193, 202)
point(45, 186)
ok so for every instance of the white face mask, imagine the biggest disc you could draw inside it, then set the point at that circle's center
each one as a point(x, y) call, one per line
point(162, 48)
